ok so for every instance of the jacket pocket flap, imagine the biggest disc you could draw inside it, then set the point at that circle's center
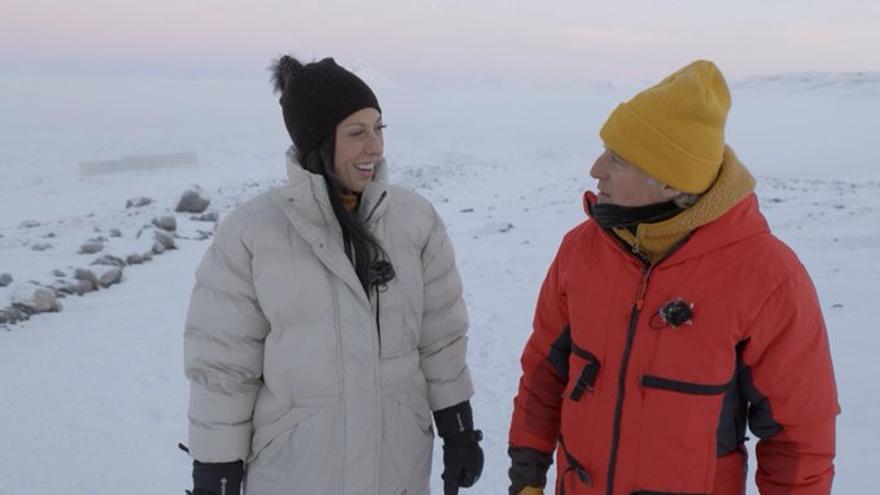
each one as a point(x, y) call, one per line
point(264, 436)
point(649, 381)
point(418, 405)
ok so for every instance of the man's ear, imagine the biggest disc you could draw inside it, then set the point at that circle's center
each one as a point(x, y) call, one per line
point(670, 192)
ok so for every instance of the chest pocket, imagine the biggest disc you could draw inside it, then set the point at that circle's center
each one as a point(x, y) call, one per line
point(586, 377)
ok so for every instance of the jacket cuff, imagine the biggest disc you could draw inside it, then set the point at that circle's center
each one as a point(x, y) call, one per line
point(456, 419)
point(223, 444)
point(443, 394)
point(528, 467)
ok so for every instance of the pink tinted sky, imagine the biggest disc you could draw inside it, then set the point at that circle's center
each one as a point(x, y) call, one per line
point(440, 40)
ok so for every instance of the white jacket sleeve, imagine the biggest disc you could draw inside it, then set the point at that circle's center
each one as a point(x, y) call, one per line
point(443, 343)
point(223, 350)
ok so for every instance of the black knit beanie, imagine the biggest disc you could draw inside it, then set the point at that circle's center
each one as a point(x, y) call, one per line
point(316, 97)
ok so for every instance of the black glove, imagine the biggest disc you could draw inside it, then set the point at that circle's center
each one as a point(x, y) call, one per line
point(217, 478)
point(528, 467)
point(462, 455)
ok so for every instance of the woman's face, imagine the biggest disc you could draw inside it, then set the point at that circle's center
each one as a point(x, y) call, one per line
point(359, 146)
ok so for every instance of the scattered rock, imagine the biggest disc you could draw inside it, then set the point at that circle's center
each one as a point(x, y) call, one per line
point(72, 286)
point(12, 315)
point(192, 202)
point(5, 279)
point(500, 227)
point(211, 216)
point(110, 260)
point(467, 210)
point(148, 256)
point(58, 273)
point(91, 247)
point(29, 224)
point(158, 248)
point(163, 238)
point(35, 300)
point(134, 259)
point(86, 275)
point(200, 235)
point(41, 246)
point(115, 233)
point(50, 235)
point(59, 294)
point(138, 202)
point(110, 277)
point(167, 222)
point(83, 286)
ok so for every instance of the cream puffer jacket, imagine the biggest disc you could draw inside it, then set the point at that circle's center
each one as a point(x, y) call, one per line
point(294, 368)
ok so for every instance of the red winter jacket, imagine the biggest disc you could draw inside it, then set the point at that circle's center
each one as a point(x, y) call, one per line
point(637, 404)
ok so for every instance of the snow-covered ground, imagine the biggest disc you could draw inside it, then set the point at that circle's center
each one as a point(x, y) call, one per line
point(93, 397)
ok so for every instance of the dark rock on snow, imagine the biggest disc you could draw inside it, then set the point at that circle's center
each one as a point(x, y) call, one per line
point(192, 202)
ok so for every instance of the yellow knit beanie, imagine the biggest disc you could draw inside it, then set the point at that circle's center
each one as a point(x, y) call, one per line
point(674, 131)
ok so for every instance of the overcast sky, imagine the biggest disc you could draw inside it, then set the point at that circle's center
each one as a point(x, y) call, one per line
point(439, 41)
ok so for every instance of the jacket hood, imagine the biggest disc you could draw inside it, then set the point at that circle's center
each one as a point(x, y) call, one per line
point(301, 183)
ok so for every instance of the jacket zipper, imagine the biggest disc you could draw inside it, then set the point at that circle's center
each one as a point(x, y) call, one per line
point(621, 386)
point(378, 322)
point(630, 337)
point(366, 220)
point(373, 210)
point(377, 370)
point(341, 363)
point(222, 486)
point(377, 375)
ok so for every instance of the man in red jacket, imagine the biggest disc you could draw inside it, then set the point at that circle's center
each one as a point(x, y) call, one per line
point(670, 320)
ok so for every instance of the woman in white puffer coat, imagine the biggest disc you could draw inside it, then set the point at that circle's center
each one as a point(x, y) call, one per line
point(327, 321)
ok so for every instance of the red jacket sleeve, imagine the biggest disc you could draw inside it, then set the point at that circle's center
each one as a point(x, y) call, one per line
point(537, 405)
point(793, 392)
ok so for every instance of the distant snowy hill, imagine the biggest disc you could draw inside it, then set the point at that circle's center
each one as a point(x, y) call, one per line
point(857, 82)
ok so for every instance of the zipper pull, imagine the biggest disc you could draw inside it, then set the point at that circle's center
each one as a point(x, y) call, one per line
point(640, 299)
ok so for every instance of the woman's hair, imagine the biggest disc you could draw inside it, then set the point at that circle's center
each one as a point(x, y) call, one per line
point(368, 256)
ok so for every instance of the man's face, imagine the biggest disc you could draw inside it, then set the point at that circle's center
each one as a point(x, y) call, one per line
point(624, 184)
